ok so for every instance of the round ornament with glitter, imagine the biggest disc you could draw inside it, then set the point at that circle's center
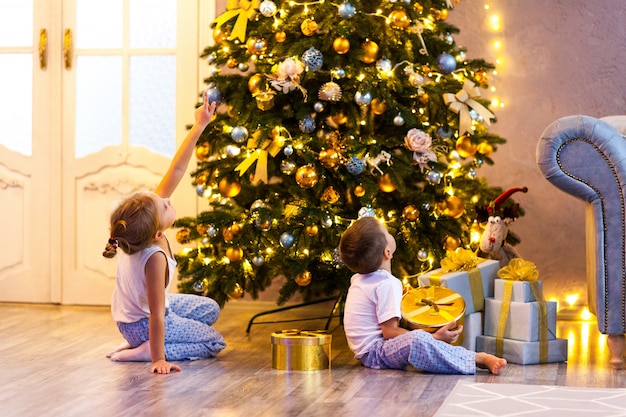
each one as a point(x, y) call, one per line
point(330, 195)
point(306, 176)
point(287, 167)
point(313, 59)
point(239, 134)
point(309, 27)
point(183, 236)
point(267, 8)
point(399, 19)
point(330, 91)
point(213, 94)
point(329, 158)
point(410, 213)
point(346, 10)
point(366, 212)
point(384, 65)
point(307, 125)
point(286, 240)
point(355, 165)
point(446, 63)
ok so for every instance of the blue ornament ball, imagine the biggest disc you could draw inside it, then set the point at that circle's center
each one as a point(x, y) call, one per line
point(444, 132)
point(211, 231)
point(338, 72)
point(366, 212)
point(446, 63)
point(213, 94)
point(199, 285)
point(239, 134)
point(313, 59)
point(355, 165)
point(434, 177)
point(286, 240)
point(288, 150)
point(307, 125)
point(200, 189)
point(346, 10)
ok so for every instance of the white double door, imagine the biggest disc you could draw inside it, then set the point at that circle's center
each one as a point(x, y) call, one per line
point(94, 98)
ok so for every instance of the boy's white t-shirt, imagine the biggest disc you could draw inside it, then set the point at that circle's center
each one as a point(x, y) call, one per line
point(372, 299)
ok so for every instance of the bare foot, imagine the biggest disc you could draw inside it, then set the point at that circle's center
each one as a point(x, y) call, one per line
point(493, 363)
point(139, 354)
point(122, 346)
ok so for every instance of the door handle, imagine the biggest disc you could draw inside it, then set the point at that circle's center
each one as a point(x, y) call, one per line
point(43, 49)
point(67, 49)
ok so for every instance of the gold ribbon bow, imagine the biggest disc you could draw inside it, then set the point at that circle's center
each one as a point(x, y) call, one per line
point(263, 148)
point(462, 101)
point(244, 10)
point(464, 260)
point(519, 269)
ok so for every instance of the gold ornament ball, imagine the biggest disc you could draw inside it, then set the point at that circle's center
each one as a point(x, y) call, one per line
point(234, 254)
point(418, 7)
point(423, 98)
point(485, 148)
point(227, 234)
point(341, 45)
point(465, 147)
point(454, 207)
point(203, 151)
point(329, 158)
point(309, 27)
point(311, 230)
point(202, 229)
point(280, 37)
point(410, 213)
point(451, 243)
point(304, 278)
point(229, 187)
point(231, 62)
point(219, 35)
point(235, 228)
point(251, 45)
point(385, 184)
point(255, 83)
point(378, 106)
point(330, 195)
point(340, 118)
point(370, 49)
point(399, 19)
point(306, 176)
point(202, 178)
point(183, 236)
point(236, 293)
point(442, 14)
point(359, 191)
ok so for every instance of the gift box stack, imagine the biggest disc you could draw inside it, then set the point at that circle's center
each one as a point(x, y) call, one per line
point(462, 271)
point(520, 325)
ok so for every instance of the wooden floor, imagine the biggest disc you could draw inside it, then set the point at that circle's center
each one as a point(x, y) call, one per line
point(52, 360)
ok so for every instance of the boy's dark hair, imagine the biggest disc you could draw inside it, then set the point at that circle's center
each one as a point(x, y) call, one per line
point(362, 245)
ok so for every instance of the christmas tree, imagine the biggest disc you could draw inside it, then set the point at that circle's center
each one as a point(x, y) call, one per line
point(328, 112)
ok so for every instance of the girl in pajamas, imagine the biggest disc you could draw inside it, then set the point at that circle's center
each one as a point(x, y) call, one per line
point(372, 313)
point(158, 327)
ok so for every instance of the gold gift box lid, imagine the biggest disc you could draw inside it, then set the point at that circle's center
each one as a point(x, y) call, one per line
point(301, 337)
point(430, 308)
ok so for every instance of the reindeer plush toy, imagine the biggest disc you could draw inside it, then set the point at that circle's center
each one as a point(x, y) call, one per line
point(497, 219)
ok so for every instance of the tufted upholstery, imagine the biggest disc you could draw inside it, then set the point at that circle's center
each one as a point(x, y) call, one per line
point(586, 157)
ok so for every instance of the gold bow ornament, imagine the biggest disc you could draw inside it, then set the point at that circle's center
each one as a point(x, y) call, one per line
point(519, 269)
point(244, 10)
point(260, 148)
point(466, 260)
point(461, 102)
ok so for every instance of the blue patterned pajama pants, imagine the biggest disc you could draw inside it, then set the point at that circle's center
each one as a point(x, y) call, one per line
point(188, 331)
point(422, 351)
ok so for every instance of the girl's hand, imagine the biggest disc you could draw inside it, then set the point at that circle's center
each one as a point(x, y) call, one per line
point(163, 367)
point(204, 113)
point(449, 333)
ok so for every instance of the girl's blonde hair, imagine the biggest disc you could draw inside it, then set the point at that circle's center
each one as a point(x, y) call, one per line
point(134, 223)
point(362, 245)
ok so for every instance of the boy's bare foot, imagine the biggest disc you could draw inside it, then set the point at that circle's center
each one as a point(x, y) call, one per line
point(493, 363)
point(139, 354)
point(122, 346)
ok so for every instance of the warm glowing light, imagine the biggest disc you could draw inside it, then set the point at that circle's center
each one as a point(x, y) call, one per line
point(495, 102)
point(185, 251)
point(361, 77)
point(497, 44)
point(571, 299)
point(487, 6)
point(586, 314)
point(495, 23)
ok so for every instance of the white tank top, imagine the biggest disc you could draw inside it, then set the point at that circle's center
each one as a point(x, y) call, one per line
point(130, 300)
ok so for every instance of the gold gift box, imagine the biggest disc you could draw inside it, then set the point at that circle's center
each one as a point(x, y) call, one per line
point(430, 308)
point(301, 350)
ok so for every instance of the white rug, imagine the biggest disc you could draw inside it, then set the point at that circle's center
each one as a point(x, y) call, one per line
point(507, 400)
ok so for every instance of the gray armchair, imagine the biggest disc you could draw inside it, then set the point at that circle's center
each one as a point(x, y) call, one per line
point(586, 157)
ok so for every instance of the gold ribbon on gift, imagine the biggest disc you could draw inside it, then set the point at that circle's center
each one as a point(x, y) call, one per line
point(461, 102)
point(261, 149)
point(519, 269)
point(244, 10)
point(463, 260)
